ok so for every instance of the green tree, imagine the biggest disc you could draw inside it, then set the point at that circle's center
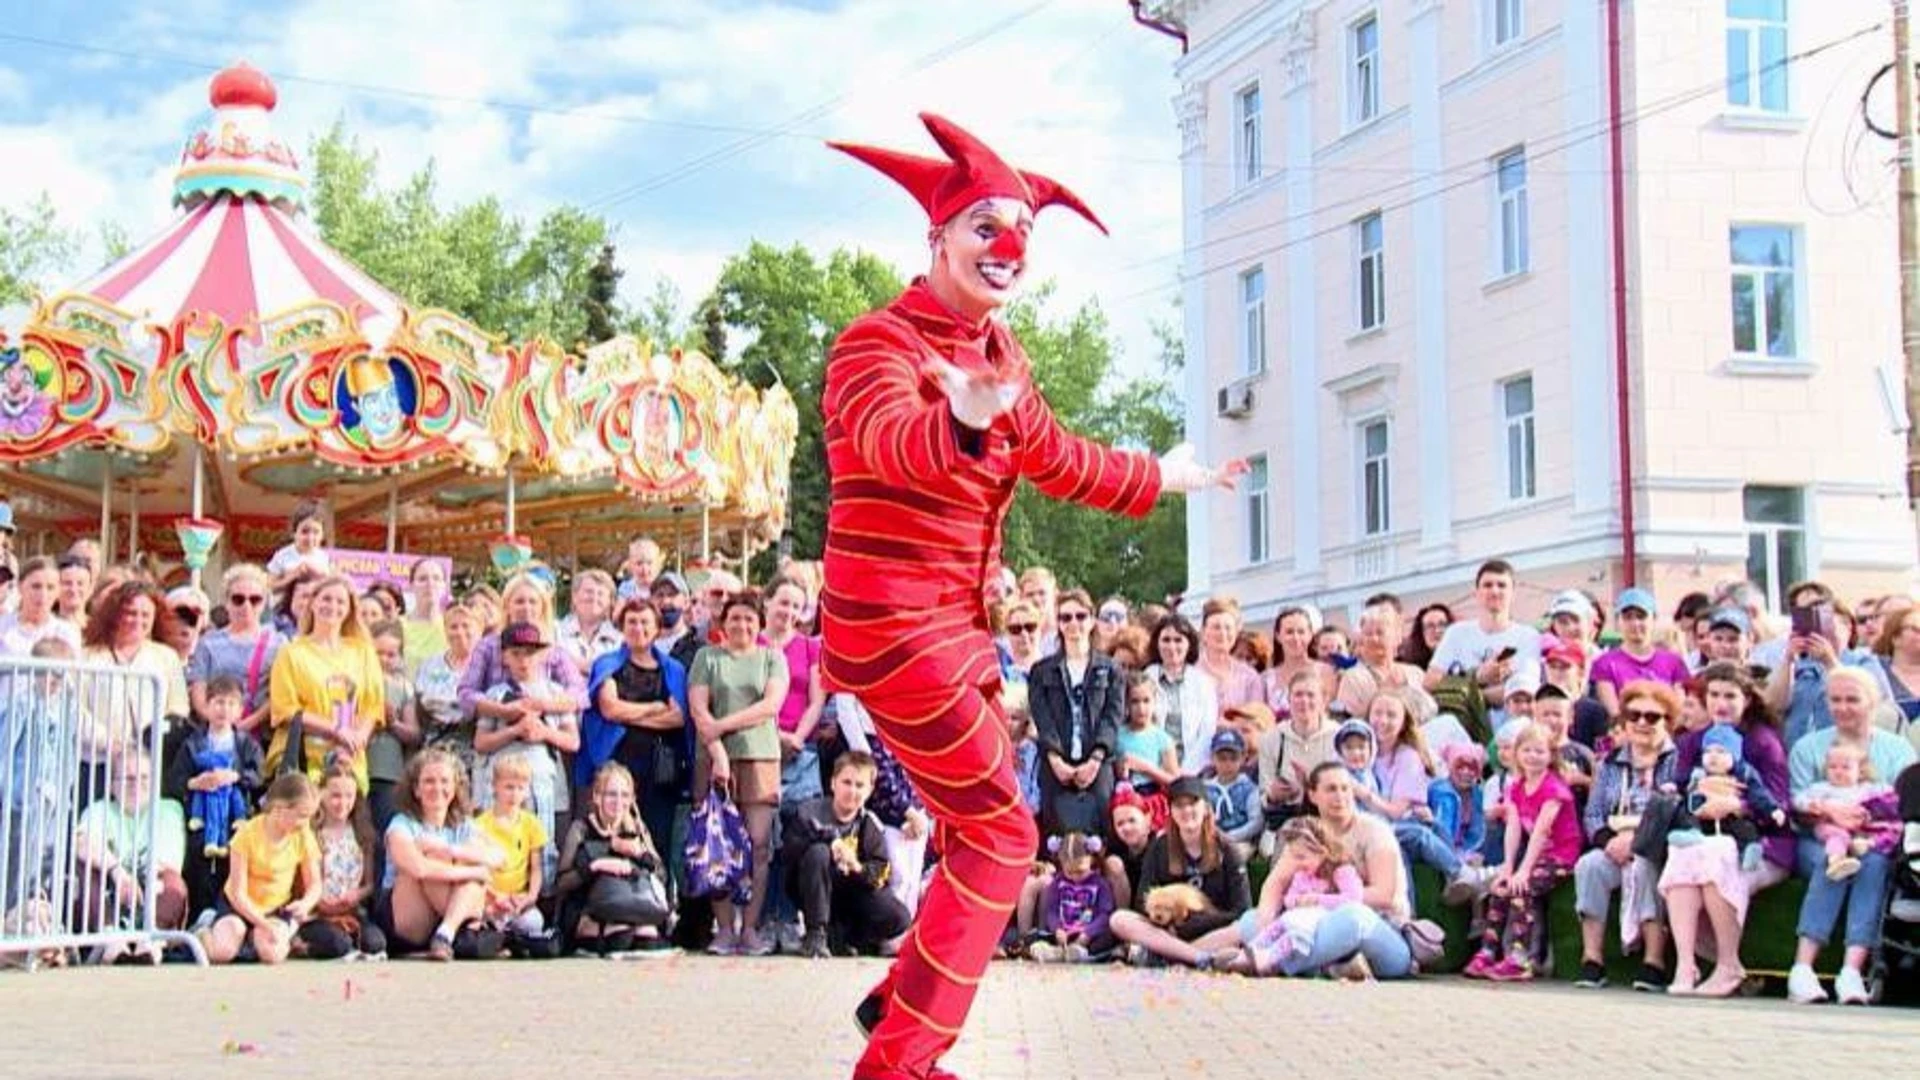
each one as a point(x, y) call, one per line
point(602, 301)
point(713, 332)
point(658, 318)
point(33, 245)
point(1143, 559)
point(476, 260)
point(790, 306)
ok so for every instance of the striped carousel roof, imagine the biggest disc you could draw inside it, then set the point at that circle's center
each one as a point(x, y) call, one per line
point(240, 250)
point(239, 258)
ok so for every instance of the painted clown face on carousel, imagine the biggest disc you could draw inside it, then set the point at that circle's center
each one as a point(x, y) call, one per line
point(374, 394)
point(25, 407)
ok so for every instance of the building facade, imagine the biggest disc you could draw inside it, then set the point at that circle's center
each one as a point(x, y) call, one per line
point(1404, 221)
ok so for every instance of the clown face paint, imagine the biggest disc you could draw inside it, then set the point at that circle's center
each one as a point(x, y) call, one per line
point(979, 257)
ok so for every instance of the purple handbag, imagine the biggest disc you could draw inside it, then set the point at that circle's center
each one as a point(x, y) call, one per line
point(719, 853)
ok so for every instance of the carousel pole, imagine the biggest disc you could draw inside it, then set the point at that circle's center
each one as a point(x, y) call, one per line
point(133, 521)
point(393, 514)
point(706, 532)
point(512, 499)
point(199, 496)
point(106, 512)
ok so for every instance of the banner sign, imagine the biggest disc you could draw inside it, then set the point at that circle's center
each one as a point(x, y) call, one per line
point(363, 568)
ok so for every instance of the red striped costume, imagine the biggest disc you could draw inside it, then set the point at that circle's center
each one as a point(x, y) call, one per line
point(912, 535)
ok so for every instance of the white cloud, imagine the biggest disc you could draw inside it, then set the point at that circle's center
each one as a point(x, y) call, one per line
point(1074, 91)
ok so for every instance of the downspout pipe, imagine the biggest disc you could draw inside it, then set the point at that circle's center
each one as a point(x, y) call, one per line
point(1172, 30)
point(1629, 556)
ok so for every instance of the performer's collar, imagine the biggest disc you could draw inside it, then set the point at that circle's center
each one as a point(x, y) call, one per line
point(928, 308)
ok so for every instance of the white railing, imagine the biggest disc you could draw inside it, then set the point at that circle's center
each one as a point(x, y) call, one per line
point(81, 815)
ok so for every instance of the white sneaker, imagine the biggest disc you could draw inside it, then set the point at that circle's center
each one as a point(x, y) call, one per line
point(1850, 989)
point(1803, 986)
point(1467, 885)
point(1045, 952)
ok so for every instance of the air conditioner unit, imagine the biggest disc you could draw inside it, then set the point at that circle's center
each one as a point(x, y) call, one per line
point(1235, 400)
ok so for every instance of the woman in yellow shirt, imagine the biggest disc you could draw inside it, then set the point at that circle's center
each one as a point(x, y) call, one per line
point(269, 854)
point(330, 679)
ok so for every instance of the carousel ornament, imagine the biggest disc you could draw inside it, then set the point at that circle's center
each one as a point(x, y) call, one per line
point(510, 552)
point(198, 536)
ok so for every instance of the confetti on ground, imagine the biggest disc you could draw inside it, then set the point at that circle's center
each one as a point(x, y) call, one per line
point(348, 989)
point(234, 1047)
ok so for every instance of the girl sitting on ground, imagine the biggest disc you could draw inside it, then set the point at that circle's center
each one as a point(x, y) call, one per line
point(1191, 852)
point(610, 840)
point(259, 912)
point(1077, 905)
point(340, 927)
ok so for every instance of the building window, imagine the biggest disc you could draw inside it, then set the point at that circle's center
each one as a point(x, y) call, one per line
point(1247, 138)
point(1764, 258)
point(1253, 321)
point(1510, 193)
point(1776, 539)
point(1363, 91)
point(1375, 484)
point(1757, 54)
point(1371, 286)
point(1258, 541)
point(1503, 22)
point(1516, 406)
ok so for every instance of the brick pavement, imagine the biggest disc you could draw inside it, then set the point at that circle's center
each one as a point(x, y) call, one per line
point(786, 1020)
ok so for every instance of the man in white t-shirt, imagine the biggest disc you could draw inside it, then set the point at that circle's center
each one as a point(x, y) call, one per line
point(1492, 648)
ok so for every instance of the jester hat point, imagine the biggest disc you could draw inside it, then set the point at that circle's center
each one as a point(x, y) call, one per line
point(971, 172)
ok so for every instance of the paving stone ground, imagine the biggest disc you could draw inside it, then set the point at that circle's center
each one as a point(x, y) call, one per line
point(775, 1019)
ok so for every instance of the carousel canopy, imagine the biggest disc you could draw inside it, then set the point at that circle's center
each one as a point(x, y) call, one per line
point(290, 372)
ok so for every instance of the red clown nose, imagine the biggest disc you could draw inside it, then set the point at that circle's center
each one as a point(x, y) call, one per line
point(1010, 246)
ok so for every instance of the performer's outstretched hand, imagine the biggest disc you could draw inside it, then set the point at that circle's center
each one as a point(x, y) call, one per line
point(975, 399)
point(1180, 473)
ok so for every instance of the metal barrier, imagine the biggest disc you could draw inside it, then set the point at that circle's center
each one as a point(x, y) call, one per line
point(84, 826)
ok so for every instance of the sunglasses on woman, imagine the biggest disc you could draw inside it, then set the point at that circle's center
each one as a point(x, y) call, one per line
point(1643, 716)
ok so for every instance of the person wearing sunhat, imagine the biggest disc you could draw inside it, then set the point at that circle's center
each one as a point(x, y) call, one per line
point(1637, 656)
point(932, 418)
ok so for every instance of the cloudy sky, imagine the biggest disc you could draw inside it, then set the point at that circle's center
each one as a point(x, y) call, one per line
point(694, 127)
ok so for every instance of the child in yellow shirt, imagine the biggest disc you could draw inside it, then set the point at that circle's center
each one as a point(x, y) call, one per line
point(268, 854)
point(513, 893)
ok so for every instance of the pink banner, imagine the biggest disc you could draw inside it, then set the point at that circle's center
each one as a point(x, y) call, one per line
point(363, 568)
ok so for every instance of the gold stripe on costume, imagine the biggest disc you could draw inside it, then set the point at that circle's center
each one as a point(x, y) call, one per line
point(939, 968)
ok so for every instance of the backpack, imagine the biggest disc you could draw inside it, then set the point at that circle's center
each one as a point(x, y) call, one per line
point(719, 853)
point(1460, 696)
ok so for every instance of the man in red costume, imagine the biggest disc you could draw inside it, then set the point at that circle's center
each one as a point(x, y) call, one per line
point(931, 419)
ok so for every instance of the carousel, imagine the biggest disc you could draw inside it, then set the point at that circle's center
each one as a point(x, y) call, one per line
point(234, 364)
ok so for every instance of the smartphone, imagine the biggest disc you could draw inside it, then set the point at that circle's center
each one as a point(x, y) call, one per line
point(1507, 653)
point(1815, 620)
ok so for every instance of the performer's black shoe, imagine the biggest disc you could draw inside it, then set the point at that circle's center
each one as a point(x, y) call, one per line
point(868, 1014)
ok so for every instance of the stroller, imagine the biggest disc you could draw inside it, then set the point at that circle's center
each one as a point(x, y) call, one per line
point(1900, 934)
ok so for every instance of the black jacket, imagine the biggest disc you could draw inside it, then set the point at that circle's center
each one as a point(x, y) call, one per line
point(812, 822)
point(1052, 708)
point(248, 760)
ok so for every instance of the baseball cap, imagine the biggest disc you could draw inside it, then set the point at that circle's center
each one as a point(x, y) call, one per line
point(1565, 652)
point(672, 580)
point(1636, 598)
point(1730, 617)
point(521, 635)
point(1570, 602)
point(1522, 682)
point(1549, 690)
point(1186, 787)
point(1229, 740)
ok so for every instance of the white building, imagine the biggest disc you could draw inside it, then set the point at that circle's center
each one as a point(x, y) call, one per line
point(1400, 266)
